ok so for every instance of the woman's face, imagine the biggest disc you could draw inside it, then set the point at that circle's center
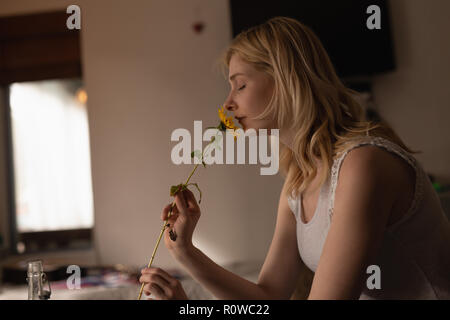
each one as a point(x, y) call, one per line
point(251, 91)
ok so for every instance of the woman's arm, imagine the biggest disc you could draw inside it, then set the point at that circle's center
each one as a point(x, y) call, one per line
point(222, 283)
point(279, 274)
point(281, 270)
point(367, 188)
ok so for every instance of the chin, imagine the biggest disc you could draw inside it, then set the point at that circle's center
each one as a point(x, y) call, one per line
point(245, 128)
point(256, 129)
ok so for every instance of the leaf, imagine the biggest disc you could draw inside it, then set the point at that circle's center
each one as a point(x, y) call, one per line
point(216, 140)
point(197, 154)
point(175, 189)
point(218, 137)
point(222, 126)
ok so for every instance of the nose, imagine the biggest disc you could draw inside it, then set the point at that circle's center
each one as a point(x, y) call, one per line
point(229, 104)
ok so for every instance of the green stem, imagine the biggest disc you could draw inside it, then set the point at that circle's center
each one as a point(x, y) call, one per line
point(167, 220)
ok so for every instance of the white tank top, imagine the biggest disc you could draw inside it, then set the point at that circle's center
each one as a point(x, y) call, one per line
point(414, 257)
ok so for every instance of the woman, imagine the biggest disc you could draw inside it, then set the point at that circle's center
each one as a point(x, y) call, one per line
point(355, 202)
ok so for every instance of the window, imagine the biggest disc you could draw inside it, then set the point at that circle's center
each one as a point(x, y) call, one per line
point(50, 139)
point(51, 161)
point(49, 182)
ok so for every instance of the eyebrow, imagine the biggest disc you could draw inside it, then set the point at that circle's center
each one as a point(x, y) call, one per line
point(236, 74)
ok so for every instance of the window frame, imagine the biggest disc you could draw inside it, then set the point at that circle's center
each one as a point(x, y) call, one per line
point(38, 241)
point(26, 30)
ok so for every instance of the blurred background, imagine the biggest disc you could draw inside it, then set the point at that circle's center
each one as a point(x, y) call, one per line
point(86, 118)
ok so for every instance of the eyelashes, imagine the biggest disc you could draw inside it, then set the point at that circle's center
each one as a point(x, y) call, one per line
point(240, 89)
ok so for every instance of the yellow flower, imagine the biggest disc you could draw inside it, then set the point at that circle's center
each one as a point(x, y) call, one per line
point(227, 121)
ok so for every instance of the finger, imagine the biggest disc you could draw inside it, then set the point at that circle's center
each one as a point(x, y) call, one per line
point(172, 281)
point(175, 209)
point(151, 277)
point(147, 290)
point(181, 203)
point(166, 211)
point(172, 219)
point(190, 199)
point(144, 279)
point(157, 291)
point(159, 288)
point(155, 279)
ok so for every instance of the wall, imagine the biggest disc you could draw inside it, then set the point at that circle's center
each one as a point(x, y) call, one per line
point(147, 73)
point(415, 99)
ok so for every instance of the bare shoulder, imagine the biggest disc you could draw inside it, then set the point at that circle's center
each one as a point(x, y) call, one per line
point(367, 193)
point(369, 160)
point(375, 166)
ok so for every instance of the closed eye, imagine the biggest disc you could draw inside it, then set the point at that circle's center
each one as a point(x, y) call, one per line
point(241, 88)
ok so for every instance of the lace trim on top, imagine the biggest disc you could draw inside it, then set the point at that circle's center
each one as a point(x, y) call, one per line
point(293, 205)
point(390, 146)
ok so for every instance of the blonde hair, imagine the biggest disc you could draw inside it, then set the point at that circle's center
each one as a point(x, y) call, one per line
point(308, 98)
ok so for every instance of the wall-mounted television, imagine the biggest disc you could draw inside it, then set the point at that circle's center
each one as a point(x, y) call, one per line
point(354, 49)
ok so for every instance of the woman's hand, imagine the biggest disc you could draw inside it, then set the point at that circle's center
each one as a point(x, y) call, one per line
point(162, 285)
point(182, 222)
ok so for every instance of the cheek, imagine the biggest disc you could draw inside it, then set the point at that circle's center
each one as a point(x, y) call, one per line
point(264, 95)
point(256, 103)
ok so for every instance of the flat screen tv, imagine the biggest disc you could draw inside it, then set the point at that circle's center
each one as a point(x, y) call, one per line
point(354, 49)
